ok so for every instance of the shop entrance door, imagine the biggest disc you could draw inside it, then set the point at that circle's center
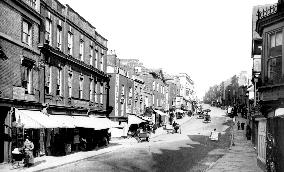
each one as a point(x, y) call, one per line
point(2, 133)
point(1, 140)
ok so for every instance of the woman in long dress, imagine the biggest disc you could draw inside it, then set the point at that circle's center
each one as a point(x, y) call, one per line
point(28, 149)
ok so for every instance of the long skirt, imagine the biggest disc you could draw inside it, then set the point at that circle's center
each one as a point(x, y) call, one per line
point(29, 158)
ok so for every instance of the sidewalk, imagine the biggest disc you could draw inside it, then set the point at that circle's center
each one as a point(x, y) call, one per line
point(239, 158)
point(48, 162)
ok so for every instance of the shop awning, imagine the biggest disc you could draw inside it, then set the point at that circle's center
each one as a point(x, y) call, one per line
point(161, 113)
point(33, 119)
point(63, 121)
point(96, 123)
point(37, 119)
point(102, 123)
point(133, 119)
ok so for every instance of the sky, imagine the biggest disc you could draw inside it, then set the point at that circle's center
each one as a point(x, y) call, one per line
point(209, 40)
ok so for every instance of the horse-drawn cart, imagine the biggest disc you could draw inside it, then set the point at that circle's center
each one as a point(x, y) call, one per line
point(145, 135)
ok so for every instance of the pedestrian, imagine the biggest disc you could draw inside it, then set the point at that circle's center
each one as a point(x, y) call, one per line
point(28, 152)
point(154, 128)
point(238, 124)
point(248, 132)
point(214, 135)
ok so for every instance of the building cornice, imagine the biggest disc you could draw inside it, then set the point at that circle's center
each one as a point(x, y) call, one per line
point(268, 21)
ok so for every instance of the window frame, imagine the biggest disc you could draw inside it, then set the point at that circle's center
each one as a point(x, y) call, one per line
point(91, 90)
point(70, 84)
point(48, 32)
point(81, 51)
point(101, 92)
point(59, 85)
point(28, 40)
point(81, 86)
point(59, 37)
point(27, 75)
point(70, 43)
point(91, 55)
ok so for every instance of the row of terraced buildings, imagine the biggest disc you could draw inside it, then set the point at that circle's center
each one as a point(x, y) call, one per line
point(58, 83)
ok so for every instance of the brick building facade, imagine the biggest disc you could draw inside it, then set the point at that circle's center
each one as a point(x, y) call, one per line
point(75, 63)
point(53, 65)
point(19, 63)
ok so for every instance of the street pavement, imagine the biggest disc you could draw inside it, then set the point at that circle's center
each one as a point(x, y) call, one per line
point(239, 158)
point(189, 151)
point(49, 162)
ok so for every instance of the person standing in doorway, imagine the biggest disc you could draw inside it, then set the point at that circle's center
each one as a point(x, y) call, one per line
point(28, 149)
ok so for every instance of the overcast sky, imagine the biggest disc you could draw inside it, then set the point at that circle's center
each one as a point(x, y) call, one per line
point(209, 40)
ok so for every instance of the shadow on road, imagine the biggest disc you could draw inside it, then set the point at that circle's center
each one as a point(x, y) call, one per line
point(194, 157)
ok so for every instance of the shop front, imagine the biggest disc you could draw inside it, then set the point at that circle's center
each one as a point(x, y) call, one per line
point(58, 135)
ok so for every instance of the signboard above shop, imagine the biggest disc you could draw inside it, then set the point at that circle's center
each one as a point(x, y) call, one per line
point(257, 64)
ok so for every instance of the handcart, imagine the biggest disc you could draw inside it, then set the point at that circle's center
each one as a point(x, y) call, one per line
point(169, 128)
point(17, 157)
point(143, 136)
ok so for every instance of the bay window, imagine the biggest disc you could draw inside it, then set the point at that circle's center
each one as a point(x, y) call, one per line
point(274, 60)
